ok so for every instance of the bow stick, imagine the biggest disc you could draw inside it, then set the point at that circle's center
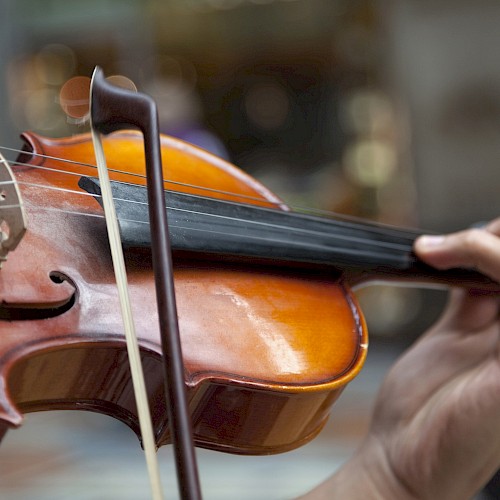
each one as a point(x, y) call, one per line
point(114, 108)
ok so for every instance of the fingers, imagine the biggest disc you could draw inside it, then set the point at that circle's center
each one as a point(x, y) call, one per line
point(473, 248)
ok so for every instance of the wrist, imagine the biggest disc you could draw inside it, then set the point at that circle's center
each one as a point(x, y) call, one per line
point(367, 475)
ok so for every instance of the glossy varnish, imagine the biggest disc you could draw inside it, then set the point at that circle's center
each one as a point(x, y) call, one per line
point(267, 350)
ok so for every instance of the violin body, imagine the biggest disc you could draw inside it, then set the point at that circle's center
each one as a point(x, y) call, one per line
point(267, 349)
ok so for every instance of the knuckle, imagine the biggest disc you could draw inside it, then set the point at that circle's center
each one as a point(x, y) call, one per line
point(472, 237)
point(477, 245)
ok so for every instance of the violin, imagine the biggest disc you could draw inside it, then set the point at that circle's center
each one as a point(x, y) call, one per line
point(270, 328)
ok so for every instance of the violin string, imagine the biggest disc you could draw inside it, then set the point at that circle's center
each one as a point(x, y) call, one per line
point(133, 174)
point(250, 238)
point(62, 160)
point(317, 233)
point(372, 225)
point(332, 236)
point(201, 188)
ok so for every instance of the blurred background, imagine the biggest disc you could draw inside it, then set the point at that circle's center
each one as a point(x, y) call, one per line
point(380, 109)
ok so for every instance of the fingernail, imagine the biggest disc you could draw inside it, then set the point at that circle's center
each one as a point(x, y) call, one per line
point(431, 241)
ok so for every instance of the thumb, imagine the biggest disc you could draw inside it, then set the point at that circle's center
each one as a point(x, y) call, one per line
point(474, 248)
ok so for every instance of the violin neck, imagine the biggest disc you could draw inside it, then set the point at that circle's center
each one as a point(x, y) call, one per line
point(230, 231)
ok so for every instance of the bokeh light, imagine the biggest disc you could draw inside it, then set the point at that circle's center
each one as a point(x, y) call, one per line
point(74, 97)
point(267, 105)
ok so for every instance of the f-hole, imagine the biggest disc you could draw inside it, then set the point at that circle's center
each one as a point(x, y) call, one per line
point(28, 312)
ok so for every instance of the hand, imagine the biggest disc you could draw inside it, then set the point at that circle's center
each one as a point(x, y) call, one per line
point(436, 427)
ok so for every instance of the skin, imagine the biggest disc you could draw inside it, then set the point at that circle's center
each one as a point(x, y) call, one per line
point(435, 431)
